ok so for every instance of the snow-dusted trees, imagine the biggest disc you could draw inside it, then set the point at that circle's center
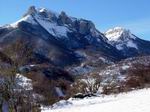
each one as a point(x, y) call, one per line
point(87, 84)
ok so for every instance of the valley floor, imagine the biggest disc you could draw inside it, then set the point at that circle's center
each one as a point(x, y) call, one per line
point(135, 101)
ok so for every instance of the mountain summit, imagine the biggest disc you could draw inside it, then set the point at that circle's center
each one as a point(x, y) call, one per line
point(126, 42)
point(119, 33)
point(120, 38)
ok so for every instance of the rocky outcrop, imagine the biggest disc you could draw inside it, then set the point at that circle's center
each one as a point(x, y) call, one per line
point(31, 10)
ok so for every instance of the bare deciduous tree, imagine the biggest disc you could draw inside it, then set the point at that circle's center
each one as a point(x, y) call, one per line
point(12, 97)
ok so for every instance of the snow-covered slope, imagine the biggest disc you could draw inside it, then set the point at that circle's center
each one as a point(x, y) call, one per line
point(135, 101)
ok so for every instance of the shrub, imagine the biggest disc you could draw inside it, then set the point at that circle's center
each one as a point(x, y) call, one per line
point(87, 84)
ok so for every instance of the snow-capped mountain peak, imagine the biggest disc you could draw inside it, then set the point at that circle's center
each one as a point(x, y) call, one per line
point(123, 40)
point(118, 33)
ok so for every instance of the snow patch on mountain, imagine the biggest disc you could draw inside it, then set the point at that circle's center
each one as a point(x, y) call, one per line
point(131, 44)
point(53, 28)
point(119, 46)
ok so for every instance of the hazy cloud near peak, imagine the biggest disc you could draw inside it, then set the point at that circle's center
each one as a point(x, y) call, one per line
point(139, 27)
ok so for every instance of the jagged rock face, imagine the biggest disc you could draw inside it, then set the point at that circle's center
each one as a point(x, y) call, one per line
point(31, 10)
point(84, 27)
point(64, 18)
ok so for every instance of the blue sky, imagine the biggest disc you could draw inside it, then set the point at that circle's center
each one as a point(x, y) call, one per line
point(131, 14)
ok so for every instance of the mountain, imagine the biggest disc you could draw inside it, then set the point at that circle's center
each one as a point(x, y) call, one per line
point(58, 36)
point(126, 42)
point(44, 47)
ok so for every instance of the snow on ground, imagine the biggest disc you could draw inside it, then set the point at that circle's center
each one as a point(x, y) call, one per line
point(59, 92)
point(135, 101)
point(125, 67)
point(24, 82)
